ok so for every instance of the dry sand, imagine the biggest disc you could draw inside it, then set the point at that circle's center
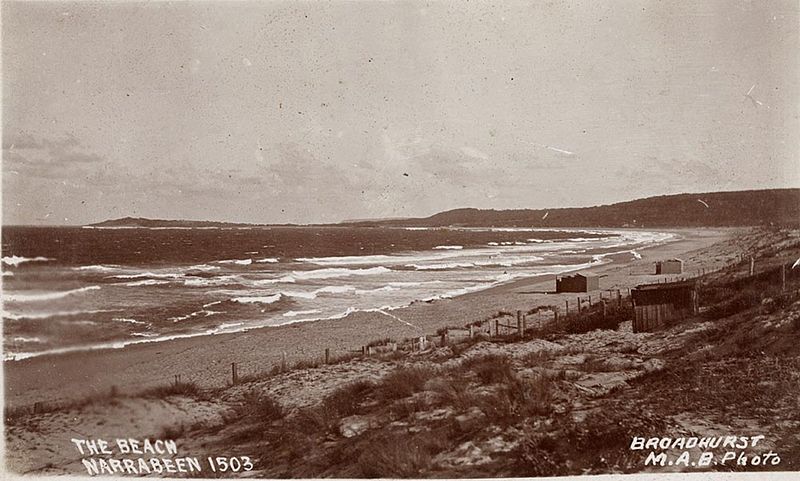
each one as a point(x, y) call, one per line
point(207, 360)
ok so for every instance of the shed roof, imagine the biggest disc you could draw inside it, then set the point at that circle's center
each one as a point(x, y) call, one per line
point(584, 274)
point(667, 285)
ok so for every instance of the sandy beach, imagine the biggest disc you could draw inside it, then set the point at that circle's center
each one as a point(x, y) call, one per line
point(207, 360)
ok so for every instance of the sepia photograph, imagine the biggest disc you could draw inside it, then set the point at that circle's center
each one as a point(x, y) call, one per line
point(401, 239)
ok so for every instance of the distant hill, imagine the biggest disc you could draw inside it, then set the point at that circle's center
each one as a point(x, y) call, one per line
point(715, 209)
point(143, 222)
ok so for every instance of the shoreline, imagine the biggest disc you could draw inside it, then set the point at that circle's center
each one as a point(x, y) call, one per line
point(250, 325)
point(206, 358)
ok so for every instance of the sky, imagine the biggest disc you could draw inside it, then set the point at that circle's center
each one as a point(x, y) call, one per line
point(283, 112)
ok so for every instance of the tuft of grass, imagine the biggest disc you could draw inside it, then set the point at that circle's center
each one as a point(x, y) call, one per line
point(518, 399)
point(403, 382)
point(188, 389)
point(734, 302)
point(593, 319)
point(380, 342)
point(312, 421)
point(173, 432)
point(537, 358)
point(491, 368)
point(305, 364)
point(346, 400)
point(260, 407)
point(454, 392)
point(401, 456)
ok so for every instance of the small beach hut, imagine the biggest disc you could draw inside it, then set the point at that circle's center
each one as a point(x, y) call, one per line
point(670, 266)
point(659, 305)
point(578, 282)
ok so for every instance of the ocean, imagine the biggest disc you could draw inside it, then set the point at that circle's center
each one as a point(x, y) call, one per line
point(76, 288)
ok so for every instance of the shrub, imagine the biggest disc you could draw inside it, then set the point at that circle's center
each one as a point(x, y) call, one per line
point(537, 358)
point(345, 400)
point(261, 407)
point(737, 302)
point(172, 432)
point(491, 368)
point(380, 342)
point(189, 389)
point(453, 392)
point(401, 457)
point(403, 382)
point(516, 400)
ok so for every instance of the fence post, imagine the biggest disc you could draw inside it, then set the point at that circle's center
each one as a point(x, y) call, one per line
point(363, 350)
point(234, 377)
point(471, 331)
point(566, 307)
point(327, 355)
point(555, 315)
point(783, 277)
point(752, 265)
point(522, 327)
point(619, 298)
point(497, 327)
point(283, 361)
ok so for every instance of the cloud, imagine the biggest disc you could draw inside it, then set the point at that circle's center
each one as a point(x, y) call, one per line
point(473, 152)
point(27, 141)
point(51, 158)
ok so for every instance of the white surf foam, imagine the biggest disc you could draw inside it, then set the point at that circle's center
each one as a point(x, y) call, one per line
point(154, 275)
point(258, 299)
point(300, 313)
point(202, 267)
point(327, 273)
point(99, 268)
point(47, 315)
point(241, 262)
point(17, 296)
point(128, 320)
point(210, 281)
point(146, 282)
point(17, 260)
point(30, 339)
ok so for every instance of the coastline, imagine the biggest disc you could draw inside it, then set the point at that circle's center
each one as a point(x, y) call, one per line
point(206, 359)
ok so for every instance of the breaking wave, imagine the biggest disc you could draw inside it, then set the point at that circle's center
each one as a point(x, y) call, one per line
point(45, 296)
point(17, 260)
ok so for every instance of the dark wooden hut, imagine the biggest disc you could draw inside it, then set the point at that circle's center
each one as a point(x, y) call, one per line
point(659, 305)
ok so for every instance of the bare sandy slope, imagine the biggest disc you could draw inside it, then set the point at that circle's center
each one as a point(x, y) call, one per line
point(207, 360)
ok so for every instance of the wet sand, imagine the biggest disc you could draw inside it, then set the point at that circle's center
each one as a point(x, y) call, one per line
point(207, 360)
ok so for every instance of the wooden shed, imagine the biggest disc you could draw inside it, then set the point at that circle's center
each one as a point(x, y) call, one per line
point(659, 305)
point(578, 282)
point(669, 266)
